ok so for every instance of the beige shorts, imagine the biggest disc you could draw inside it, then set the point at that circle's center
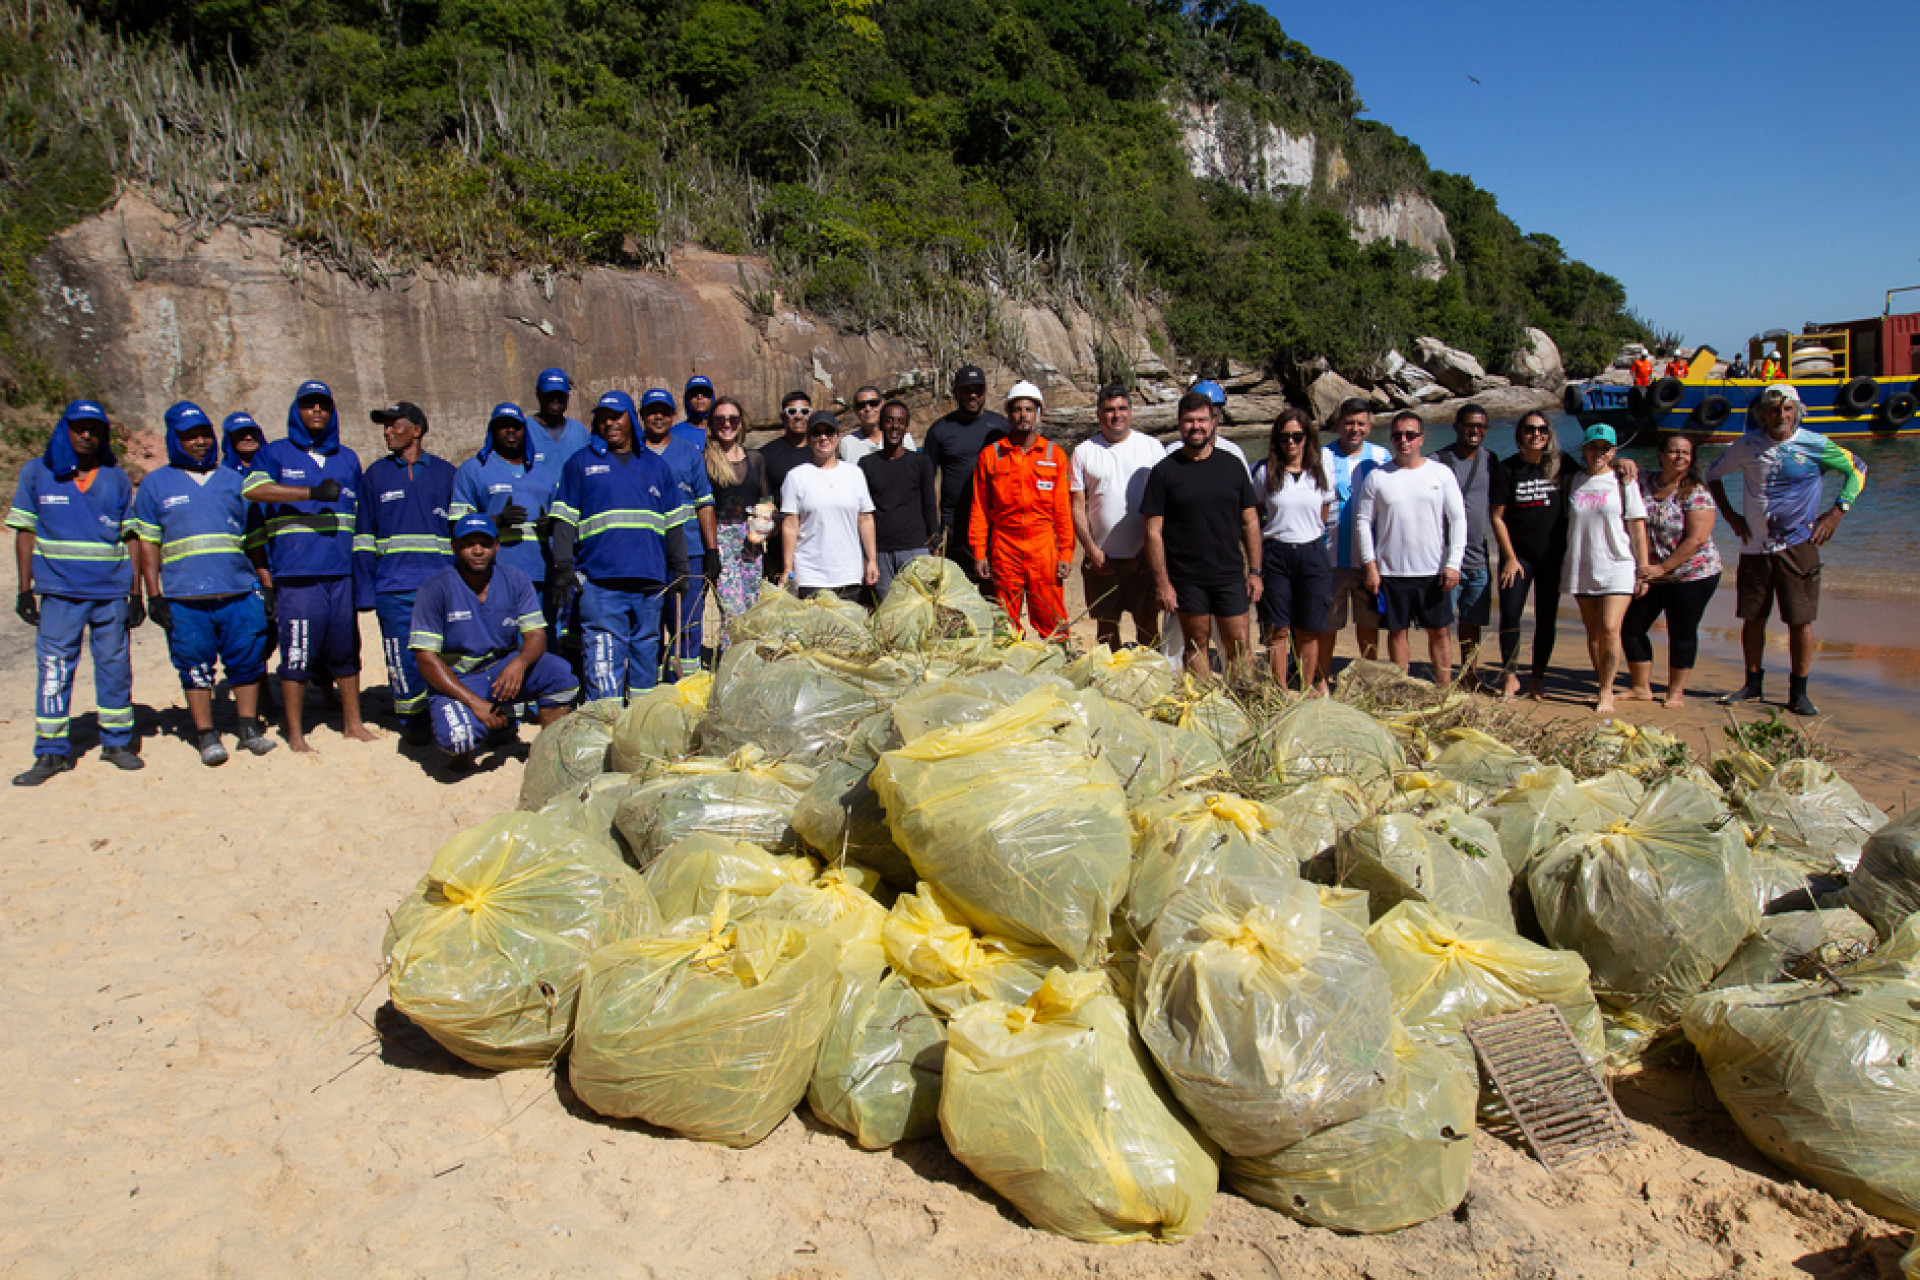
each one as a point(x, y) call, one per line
point(1351, 585)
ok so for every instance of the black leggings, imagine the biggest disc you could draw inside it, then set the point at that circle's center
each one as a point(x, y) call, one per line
point(1684, 603)
point(1542, 577)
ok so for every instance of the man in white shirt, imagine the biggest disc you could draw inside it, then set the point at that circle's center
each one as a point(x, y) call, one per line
point(1348, 462)
point(1410, 524)
point(826, 510)
point(1109, 475)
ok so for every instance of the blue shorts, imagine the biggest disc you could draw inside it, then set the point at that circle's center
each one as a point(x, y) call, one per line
point(231, 630)
point(548, 682)
point(318, 628)
point(1473, 598)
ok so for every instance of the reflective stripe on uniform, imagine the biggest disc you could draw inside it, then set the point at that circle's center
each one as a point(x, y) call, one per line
point(53, 549)
point(201, 544)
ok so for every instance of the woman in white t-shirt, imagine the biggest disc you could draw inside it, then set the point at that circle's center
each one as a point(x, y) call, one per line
point(1295, 567)
point(826, 532)
point(1606, 549)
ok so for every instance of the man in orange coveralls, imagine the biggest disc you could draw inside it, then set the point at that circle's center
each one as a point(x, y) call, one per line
point(1021, 532)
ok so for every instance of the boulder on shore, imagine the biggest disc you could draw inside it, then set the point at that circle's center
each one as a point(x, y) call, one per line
point(1537, 363)
point(1452, 368)
point(1326, 392)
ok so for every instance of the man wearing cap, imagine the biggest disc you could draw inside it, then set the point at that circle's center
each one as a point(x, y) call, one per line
point(309, 487)
point(69, 545)
point(779, 458)
point(556, 436)
point(617, 546)
point(1410, 531)
point(203, 573)
point(698, 396)
point(480, 641)
point(906, 508)
point(681, 624)
point(1109, 477)
point(1474, 467)
point(399, 541)
point(1780, 465)
point(240, 441)
point(953, 445)
point(1202, 524)
point(867, 435)
point(1348, 460)
point(826, 517)
point(511, 481)
point(1021, 529)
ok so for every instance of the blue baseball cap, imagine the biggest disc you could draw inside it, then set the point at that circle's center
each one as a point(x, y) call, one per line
point(240, 421)
point(85, 411)
point(698, 382)
point(507, 409)
point(187, 415)
point(656, 397)
point(615, 402)
point(1211, 390)
point(475, 523)
point(308, 390)
point(553, 380)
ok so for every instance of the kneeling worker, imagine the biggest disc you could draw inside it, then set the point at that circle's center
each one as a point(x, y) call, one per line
point(480, 641)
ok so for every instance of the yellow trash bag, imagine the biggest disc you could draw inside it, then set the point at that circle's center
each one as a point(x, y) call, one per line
point(709, 1029)
point(1402, 1163)
point(689, 878)
point(834, 903)
point(1885, 887)
point(1824, 1078)
point(822, 622)
point(568, 752)
point(1445, 857)
point(1656, 904)
point(1268, 1015)
point(932, 608)
point(1205, 710)
point(1798, 946)
point(1324, 738)
point(1148, 757)
point(1637, 748)
point(658, 727)
point(1479, 762)
point(840, 818)
point(878, 1075)
point(1020, 825)
point(590, 809)
point(967, 698)
point(1028, 657)
point(1816, 818)
point(1349, 904)
point(1447, 970)
point(927, 940)
point(1054, 1105)
point(743, 797)
point(803, 706)
point(1138, 677)
point(485, 954)
point(1546, 805)
point(1191, 836)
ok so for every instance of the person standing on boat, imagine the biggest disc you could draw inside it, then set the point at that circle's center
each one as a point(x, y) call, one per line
point(1770, 368)
point(1780, 465)
point(1678, 366)
point(1642, 370)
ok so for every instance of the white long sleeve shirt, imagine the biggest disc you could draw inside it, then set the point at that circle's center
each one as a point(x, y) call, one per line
point(1412, 520)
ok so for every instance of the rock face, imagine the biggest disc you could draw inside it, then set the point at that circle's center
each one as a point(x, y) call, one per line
point(1412, 220)
point(1537, 363)
point(1223, 140)
point(1453, 369)
point(219, 322)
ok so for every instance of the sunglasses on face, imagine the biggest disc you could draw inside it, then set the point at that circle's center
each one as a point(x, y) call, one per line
point(822, 433)
point(1533, 429)
point(866, 404)
point(1407, 435)
point(726, 419)
point(795, 411)
point(1292, 437)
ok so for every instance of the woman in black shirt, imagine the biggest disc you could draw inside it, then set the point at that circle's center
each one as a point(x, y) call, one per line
point(1528, 503)
point(738, 476)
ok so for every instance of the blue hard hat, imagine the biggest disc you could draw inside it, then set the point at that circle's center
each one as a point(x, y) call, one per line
point(1211, 390)
point(553, 380)
point(476, 522)
point(656, 397)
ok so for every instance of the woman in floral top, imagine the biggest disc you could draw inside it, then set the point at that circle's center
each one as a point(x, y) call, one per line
point(1682, 573)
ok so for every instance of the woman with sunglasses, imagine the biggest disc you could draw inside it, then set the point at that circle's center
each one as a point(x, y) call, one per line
point(1528, 512)
point(1296, 568)
point(1606, 551)
point(738, 477)
point(1682, 577)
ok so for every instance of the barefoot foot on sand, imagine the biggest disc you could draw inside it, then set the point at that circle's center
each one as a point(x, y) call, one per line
point(361, 733)
point(1602, 706)
point(300, 745)
point(1638, 695)
point(1674, 700)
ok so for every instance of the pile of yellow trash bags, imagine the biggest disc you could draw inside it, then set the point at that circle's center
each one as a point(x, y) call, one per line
point(938, 883)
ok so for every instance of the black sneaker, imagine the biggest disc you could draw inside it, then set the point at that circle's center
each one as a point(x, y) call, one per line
point(417, 731)
point(256, 740)
point(1748, 692)
point(212, 751)
point(44, 767)
point(122, 758)
point(1801, 705)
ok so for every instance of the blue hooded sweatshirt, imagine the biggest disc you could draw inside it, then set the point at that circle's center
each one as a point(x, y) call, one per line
point(622, 509)
point(79, 548)
point(309, 539)
point(234, 424)
point(486, 482)
point(194, 513)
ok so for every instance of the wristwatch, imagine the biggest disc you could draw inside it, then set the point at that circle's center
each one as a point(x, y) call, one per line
point(1842, 507)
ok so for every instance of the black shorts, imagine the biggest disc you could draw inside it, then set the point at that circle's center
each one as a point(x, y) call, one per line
point(1415, 602)
point(1296, 585)
point(1226, 598)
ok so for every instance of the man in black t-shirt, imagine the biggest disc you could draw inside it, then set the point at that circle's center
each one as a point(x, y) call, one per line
point(906, 518)
point(953, 445)
point(779, 457)
point(1203, 538)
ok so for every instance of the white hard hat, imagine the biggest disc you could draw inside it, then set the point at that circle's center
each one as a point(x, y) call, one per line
point(1024, 390)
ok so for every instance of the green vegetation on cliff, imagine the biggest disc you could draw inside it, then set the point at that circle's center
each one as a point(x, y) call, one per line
point(905, 164)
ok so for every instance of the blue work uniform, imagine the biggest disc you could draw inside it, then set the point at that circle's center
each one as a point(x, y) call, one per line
point(487, 482)
point(476, 638)
point(310, 544)
point(622, 507)
point(84, 574)
point(691, 432)
point(689, 465)
point(400, 541)
point(559, 446)
point(194, 512)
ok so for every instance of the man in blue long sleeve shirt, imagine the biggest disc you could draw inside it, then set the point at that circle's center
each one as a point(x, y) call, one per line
point(309, 484)
point(399, 541)
point(689, 464)
point(69, 513)
point(511, 480)
point(552, 432)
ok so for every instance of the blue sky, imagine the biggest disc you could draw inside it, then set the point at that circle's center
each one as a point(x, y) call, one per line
point(1738, 166)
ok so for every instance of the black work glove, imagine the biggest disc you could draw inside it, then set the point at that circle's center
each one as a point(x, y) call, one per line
point(136, 611)
point(270, 597)
point(511, 516)
point(162, 613)
point(325, 491)
point(710, 569)
point(565, 585)
point(28, 608)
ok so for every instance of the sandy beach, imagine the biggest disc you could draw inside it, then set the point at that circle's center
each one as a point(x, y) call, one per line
point(202, 1075)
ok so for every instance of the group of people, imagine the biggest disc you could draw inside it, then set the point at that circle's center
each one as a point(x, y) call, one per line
point(559, 557)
